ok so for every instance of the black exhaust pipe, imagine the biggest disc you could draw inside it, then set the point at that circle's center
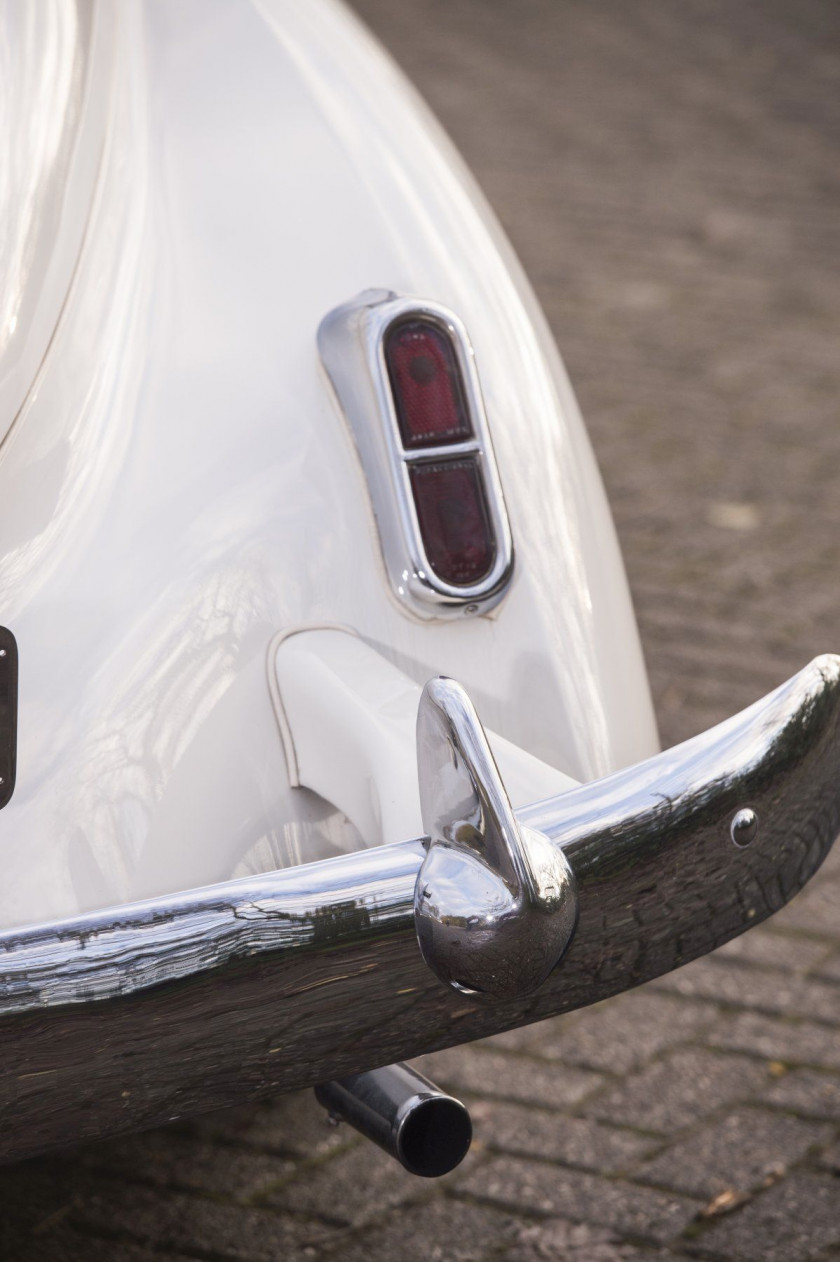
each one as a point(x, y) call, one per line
point(427, 1131)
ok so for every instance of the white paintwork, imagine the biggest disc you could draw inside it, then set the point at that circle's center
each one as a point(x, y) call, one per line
point(178, 487)
point(55, 73)
point(348, 720)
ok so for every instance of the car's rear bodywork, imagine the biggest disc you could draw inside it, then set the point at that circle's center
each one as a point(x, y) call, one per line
point(186, 497)
point(178, 485)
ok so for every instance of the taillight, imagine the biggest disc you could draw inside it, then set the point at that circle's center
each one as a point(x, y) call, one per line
point(430, 405)
point(429, 464)
point(426, 385)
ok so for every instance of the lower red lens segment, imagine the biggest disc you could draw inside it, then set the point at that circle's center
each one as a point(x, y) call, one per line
point(454, 521)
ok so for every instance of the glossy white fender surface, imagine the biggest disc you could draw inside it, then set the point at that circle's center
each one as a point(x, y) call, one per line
point(176, 483)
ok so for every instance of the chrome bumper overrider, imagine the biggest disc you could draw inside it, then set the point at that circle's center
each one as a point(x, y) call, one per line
point(131, 1016)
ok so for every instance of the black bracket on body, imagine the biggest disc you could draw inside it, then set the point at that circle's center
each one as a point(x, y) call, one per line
point(8, 714)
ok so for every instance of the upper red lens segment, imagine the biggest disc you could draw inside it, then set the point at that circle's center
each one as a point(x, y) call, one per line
point(426, 385)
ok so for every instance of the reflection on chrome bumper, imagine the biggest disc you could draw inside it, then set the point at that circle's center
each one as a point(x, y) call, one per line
point(125, 1018)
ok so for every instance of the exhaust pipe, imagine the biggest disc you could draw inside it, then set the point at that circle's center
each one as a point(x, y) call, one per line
point(427, 1131)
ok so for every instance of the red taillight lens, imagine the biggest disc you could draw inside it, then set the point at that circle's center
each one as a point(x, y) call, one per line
point(454, 521)
point(426, 385)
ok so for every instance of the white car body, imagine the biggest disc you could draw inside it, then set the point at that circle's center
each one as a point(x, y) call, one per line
point(196, 185)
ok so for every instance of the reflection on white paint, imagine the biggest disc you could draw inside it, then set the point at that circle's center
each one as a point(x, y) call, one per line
point(55, 73)
point(41, 71)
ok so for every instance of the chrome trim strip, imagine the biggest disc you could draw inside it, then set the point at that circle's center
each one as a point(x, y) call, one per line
point(351, 344)
point(125, 1018)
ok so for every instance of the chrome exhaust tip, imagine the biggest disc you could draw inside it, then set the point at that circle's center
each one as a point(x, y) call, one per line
point(427, 1131)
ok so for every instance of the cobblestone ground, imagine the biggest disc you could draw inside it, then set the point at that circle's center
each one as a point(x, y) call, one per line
point(670, 175)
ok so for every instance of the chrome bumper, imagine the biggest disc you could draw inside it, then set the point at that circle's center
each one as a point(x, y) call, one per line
point(129, 1017)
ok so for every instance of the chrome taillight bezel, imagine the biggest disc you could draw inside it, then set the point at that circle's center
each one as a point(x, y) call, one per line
point(351, 341)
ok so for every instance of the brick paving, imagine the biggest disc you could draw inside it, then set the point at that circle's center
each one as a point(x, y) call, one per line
point(670, 176)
